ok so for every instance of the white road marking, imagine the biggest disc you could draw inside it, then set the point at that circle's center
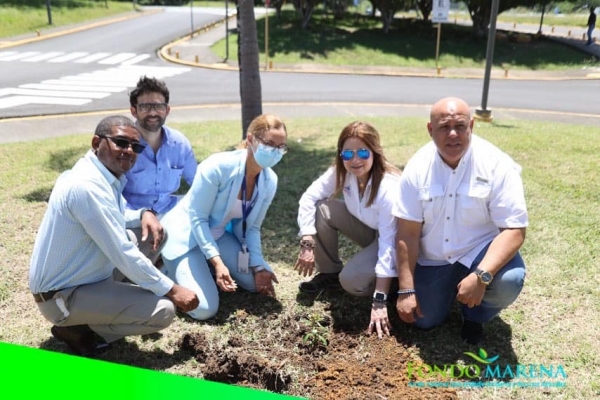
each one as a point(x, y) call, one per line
point(92, 57)
point(18, 56)
point(15, 101)
point(80, 88)
point(68, 57)
point(117, 58)
point(43, 56)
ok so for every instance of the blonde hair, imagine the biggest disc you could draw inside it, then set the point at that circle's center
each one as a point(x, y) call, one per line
point(261, 125)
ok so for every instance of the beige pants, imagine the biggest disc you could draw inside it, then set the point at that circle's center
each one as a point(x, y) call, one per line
point(357, 277)
point(113, 309)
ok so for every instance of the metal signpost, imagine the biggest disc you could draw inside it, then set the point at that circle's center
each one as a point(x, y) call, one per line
point(267, 3)
point(439, 14)
point(482, 113)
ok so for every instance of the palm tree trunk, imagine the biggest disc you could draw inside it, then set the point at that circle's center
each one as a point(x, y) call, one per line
point(250, 89)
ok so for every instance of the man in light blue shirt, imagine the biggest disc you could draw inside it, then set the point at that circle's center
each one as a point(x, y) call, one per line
point(82, 239)
point(168, 156)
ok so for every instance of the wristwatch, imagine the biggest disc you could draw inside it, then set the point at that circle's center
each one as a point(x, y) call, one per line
point(484, 277)
point(379, 297)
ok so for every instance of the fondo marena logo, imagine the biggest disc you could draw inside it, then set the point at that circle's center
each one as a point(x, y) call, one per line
point(485, 371)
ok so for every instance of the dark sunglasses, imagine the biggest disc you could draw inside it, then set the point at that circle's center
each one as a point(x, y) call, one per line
point(348, 155)
point(124, 144)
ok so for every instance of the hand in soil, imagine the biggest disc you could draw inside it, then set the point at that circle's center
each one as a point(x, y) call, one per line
point(305, 264)
point(264, 282)
point(224, 279)
point(379, 320)
point(407, 306)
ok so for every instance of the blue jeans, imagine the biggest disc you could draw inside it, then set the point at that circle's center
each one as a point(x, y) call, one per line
point(436, 288)
point(590, 40)
point(192, 271)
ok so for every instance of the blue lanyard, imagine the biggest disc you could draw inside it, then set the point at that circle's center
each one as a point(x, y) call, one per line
point(247, 208)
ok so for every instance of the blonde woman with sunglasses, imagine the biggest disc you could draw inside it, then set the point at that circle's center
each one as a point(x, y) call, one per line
point(368, 185)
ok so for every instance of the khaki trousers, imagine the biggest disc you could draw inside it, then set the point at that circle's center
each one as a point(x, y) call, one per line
point(357, 277)
point(113, 309)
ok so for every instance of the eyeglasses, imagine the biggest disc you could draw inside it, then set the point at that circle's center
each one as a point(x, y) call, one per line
point(124, 144)
point(147, 107)
point(348, 155)
point(282, 148)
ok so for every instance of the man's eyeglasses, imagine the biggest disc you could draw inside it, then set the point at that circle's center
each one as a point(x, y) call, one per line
point(281, 148)
point(147, 107)
point(348, 155)
point(124, 144)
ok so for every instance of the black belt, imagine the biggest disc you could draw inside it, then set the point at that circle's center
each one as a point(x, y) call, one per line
point(42, 297)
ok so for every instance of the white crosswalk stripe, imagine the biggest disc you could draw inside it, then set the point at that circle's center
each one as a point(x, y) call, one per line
point(67, 57)
point(77, 90)
point(43, 56)
point(79, 57)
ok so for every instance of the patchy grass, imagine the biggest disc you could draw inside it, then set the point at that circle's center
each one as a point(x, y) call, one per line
point(357, 40)
point(554, 321)
point(20, 17)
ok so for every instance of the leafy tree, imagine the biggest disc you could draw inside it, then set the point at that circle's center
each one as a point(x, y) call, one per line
point(425, 6)
point(388, 8)
point(250, 88)
point(304, 9)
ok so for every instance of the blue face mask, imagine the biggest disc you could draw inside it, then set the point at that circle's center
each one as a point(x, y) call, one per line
point(266, 156)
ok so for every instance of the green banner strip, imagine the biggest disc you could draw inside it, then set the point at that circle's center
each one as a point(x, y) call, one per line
point(28, 373)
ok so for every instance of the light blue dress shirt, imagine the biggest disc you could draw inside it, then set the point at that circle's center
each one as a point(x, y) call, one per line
point(83, 234)
point(156, 176)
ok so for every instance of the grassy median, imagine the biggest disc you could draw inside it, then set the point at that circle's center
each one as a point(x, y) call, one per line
point(554, 321)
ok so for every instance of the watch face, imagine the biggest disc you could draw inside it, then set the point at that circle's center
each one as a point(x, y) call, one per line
point(379, 296)
point(486, 277)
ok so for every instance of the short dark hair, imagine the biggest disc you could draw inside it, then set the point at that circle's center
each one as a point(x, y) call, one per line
point(104, 127)
point(148, 85)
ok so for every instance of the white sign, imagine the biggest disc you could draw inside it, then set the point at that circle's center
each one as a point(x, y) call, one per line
point(440, 10)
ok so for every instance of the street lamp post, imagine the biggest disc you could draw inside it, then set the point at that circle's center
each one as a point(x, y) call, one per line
point(49, 9)
point(483, 113)
point(192, 16)
point(226, 30)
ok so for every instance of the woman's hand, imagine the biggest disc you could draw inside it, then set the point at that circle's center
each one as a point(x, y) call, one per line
point(264, 282)
point(224, 279)
point(379, 320)
point(305, 264)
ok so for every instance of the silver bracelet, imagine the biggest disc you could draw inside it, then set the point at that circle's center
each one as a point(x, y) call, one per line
point(407, 291)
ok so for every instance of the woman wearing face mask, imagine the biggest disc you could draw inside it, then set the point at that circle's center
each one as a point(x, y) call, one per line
point(369, 186)
point(215, 228)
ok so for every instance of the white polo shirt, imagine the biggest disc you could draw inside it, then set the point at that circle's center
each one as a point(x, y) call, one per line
point(461, 209)
point(378, 216)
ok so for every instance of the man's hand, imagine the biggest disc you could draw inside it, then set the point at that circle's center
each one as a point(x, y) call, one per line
point(470, 291)
point(151, 224)
point(264, 282)
point(305, 264)
point(183, 298)
point(407, 307)
point(379, 320)
point(224, 279)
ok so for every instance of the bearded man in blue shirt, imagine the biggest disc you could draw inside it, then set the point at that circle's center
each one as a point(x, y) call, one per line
point(168, 156)
point(83, 238)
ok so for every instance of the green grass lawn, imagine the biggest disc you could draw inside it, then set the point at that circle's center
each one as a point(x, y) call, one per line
point(360, 41)
point(30, 15)
point(554, 320)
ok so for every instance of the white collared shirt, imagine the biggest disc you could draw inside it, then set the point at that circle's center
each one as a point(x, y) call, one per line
point(378, 216)
point(463, 209)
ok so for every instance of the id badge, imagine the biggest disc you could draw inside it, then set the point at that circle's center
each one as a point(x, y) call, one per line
point(243, 261)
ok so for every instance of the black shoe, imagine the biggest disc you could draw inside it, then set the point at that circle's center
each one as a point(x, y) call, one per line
point(80, 338)
point(320, 282)
point(471, 332)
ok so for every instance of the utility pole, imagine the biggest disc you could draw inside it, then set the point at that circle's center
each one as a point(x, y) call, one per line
point(482, 113)
point(226, 30)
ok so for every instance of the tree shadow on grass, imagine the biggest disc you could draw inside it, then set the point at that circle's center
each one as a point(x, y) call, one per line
point(408, 38)
point(58, 161)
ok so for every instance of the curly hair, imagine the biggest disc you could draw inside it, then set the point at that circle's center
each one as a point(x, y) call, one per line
point(148, 85)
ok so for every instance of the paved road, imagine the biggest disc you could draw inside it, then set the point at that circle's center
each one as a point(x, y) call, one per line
point(200, 94)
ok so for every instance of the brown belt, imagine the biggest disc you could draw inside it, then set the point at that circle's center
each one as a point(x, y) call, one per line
point(42, 297)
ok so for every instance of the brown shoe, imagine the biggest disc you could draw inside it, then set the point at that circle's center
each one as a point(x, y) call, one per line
point(80, 339)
